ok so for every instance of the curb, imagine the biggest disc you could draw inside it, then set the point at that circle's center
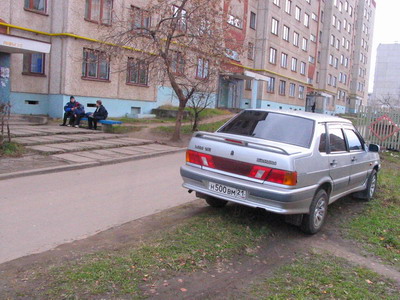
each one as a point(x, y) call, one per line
point(85, 165)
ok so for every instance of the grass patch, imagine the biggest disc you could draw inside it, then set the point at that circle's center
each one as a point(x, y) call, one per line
point(378, 227)
point(191, 246)
point(324, 277)
point(144, 121)
point(120, 129)
point(11, 149)
point(187, 129)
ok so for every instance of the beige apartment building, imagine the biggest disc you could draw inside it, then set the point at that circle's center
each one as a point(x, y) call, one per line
point(300, 55)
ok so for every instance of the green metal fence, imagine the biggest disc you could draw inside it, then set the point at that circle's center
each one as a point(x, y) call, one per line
point(380, 126)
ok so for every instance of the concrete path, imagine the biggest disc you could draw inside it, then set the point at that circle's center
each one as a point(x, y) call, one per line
point(75, 148)
point(38, 213)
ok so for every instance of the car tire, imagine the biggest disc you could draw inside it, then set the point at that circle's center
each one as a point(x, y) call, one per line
point(369, 192)
point(215, 202)
point(314, 221)
point(371, 185)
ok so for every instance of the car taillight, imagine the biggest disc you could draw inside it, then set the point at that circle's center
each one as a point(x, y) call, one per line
point(198, 158)
point(282, 177)
point(242, 168)
point(259, 172)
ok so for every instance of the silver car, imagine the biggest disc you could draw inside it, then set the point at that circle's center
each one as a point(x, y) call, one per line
point(291, 163)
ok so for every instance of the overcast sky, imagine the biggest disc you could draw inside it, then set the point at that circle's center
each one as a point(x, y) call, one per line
point(387, 28)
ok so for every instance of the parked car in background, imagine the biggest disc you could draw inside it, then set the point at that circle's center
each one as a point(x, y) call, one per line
point(291, 163)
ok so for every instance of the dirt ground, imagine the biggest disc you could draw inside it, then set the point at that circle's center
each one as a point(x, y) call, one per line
point(227, 279)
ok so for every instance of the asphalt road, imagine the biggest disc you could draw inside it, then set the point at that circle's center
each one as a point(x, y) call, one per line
point(40, 212)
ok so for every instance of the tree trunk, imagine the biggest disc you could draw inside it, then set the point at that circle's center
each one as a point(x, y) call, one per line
point(177, 132)
point(195, 121)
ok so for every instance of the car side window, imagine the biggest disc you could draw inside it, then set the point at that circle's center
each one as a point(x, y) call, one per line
point(322, 143)
point(353, 140)
point(336, 140)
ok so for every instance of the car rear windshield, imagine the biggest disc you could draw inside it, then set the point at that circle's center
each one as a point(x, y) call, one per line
point(271, 126)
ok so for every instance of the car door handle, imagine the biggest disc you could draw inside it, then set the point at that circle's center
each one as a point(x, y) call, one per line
point(353, 159)
point(333, 163)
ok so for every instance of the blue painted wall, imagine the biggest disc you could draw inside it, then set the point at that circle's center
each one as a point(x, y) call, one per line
point(4, 77)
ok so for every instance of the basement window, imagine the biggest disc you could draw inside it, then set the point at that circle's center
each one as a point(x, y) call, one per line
point(32, 102)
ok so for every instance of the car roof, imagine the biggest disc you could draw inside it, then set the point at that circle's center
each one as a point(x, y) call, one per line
point(320, 118)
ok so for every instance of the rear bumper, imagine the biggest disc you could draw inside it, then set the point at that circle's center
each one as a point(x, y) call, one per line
point(271, 198)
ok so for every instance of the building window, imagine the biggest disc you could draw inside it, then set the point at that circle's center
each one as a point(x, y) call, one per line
point(247, 85)
point(202, 68)
point(303, 68)
point(141, 19)
point(297, 13)
point(282, 87)
point(252, 20)
point(306, 20)
point(96, 65)
point(274, 26)
point(331, 59)
point(285, 35)
point(99, 11)
point(336, 62)
point(271, 85)
point(250, 51)
point(276, 2)
point(180, 15)
point(33, 64)
point(36, 5)
point(304, 44)
point(137, 71)
point(177, 62)
point(313, 38)
point(294, 64)
point(288, 6)
point(311, 59)
point(272, 55)
point(292, 90)
point(284, 60)
point(314, 17)
point(296, 38)
point(332, 41)
point(301, 92)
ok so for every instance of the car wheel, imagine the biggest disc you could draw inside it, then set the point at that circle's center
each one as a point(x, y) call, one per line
point(369, 192)
point(313, 221)
point(371, 185)
point(215, 202)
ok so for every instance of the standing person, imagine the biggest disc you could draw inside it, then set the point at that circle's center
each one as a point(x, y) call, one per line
point(99, 114)
point(313, 108)
point(69, 112)
point(79, 113)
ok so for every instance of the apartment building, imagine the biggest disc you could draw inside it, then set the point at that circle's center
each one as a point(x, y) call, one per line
point(299, 55)
point(387, 76)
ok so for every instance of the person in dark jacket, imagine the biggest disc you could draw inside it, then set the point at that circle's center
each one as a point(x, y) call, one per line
point(99, 114)
point(79, 113)
point(69, 112)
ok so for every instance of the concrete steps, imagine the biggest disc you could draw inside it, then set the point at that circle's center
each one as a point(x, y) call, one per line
point(64, 138)
point(66, 147)
point(28, 119)
point(29, 131)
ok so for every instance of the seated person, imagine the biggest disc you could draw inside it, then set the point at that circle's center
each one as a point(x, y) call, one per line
point(99, 114)
point(68, 108)
point(79, 113)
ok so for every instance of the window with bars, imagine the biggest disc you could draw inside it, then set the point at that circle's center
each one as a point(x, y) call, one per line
point(95, 65)
point(99, 11)
point(180, 15)
point(292, 90)
point(137, 71)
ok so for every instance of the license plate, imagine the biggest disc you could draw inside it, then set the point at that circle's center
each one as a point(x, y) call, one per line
point(226, 190)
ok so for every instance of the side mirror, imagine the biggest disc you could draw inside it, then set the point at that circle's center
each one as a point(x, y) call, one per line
point(373, 148)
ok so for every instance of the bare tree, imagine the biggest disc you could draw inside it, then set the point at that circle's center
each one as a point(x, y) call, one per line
point(198, 103)
point(388, 101)
point(182, 42)
point(5, 134)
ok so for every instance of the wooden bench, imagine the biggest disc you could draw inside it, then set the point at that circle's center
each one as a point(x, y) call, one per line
point(106, 125)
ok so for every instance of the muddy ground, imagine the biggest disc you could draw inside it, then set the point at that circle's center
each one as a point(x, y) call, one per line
point(225, 280)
